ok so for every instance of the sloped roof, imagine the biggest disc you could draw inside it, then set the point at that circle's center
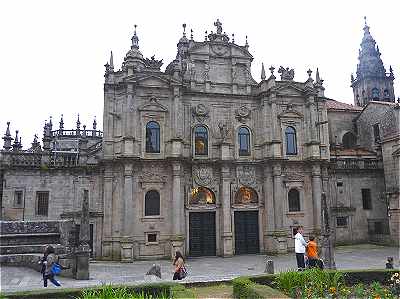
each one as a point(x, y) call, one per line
point(336, 105)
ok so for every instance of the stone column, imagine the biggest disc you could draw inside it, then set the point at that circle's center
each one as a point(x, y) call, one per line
point(227, 238)
point(316, 196)
point(117, 215)
point(128, 214)
point(177, 214)
point(278, 196)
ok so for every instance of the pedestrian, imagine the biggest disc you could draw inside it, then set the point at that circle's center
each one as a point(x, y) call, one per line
point(48, 260)
point(300, 248)
point(179, 267)
point(389, 262)
point(312, 253)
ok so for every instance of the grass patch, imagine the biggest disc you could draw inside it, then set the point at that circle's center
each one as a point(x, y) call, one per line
point(222, 290)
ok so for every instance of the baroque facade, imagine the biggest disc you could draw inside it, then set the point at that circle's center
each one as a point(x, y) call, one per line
point(203, 158)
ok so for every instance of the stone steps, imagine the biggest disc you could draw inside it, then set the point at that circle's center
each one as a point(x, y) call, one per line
point(29, 239)
point(27, 249)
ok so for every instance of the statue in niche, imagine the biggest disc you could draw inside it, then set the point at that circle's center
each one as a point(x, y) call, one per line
point(223, 130)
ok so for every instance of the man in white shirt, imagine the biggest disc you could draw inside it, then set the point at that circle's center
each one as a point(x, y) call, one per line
point(300, 248)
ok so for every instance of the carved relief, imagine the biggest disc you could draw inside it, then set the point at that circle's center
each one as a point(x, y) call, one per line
point(224, 130)
point(219, 50)
point(242, 113)
point(153, 173)
point(202, 175)
point(293, 177)
point(200, 112)
point(246, 175)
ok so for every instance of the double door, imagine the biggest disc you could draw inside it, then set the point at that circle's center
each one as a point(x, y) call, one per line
point(202, 234)
point(246, 232)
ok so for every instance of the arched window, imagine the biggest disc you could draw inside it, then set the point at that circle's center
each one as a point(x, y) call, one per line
point(291, 143)
point(244, 141)
point(152, 137)
point(375, 93)
point(349, 140)
point(246, 195)
point(200, 141)
point(294, 200)
point(152, 203)
point(202, 195)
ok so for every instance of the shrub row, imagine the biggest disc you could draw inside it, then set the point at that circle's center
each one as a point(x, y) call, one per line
point(351, 277)
point(153, 290)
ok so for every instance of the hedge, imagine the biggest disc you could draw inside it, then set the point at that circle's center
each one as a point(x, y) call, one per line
point(243, 287)
point(153, 289)
point(351, 277)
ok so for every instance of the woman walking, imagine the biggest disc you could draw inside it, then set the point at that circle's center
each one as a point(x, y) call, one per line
point(179, 264)
point(48, 260)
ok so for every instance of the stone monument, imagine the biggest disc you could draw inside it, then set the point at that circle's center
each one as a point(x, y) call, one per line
point(327, 243)
point(82, 253)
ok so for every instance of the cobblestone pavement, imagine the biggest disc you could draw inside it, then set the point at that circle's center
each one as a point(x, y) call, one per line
point(200, 269)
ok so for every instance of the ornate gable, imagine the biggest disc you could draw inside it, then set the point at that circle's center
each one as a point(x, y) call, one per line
point(289, 89)
point(153, 81)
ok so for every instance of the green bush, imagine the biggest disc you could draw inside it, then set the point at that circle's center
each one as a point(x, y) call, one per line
point(244, 288)
point(140, 292)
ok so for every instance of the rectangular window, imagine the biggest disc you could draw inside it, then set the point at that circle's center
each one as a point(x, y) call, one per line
point(151, 238)
point(377, 135)
point(341, 221)
point(18, 198)
point(42, 199)
point(366, 199)
point(339, 184)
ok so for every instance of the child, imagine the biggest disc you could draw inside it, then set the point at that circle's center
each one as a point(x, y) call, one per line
point(312, 253)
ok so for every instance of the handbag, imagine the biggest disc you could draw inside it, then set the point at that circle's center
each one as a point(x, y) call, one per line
point(55, 269)
point(182, 272)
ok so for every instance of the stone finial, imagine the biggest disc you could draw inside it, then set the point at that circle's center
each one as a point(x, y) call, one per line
point(262, 71)
point(35, 144)
point(184, 29)
point(7, 138)
point(135, 40)
point(352, 78)
point(111, 61)
point(317, 79)
point(61, 127)
point(78, 123)
point(271, 69)
point(84, 131)
point(233, 38)
point(16, 143)
point(51, 123)
point(247, 43)
point(94, 123)
point(205, 37)
point(191, 34)
point(309, 72)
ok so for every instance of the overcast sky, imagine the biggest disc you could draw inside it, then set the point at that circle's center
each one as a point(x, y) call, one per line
point(53, 52)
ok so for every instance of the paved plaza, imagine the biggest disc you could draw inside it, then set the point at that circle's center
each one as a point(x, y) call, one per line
point(203, 269)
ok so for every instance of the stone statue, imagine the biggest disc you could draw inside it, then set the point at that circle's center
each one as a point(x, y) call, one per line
point(286, 74)
point(223, 130)
point(218, 24)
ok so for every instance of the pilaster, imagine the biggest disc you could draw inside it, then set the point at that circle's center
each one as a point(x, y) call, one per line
point(316, 196)
point(227, 237)
point(177, 239)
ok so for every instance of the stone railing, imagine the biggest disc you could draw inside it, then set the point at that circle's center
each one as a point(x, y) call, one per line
point(24, 159)
point(354, 164)
point(76, 133)
point(58, 159)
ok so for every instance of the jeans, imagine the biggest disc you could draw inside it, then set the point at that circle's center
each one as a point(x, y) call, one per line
point(300, 261)
point(52, 279)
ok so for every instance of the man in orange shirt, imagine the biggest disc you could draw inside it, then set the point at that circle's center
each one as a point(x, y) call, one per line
point(312, 253)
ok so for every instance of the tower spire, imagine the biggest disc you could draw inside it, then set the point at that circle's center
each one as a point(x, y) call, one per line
point(111, 61)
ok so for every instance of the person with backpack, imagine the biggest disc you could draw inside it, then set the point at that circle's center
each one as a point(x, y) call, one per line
point(50, 266)
point(179, 264)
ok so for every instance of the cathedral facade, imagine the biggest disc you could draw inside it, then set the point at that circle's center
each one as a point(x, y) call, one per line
point(204, 159)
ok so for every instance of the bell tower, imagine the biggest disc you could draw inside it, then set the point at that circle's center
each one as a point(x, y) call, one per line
point(372, 83)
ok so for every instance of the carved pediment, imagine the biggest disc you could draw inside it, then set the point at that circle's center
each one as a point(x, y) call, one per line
point(153, 81)
point(290, 113)
point(289, 89)
point(153, 105)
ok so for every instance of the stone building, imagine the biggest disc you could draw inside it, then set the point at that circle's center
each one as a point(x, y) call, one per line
point(204, 159)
